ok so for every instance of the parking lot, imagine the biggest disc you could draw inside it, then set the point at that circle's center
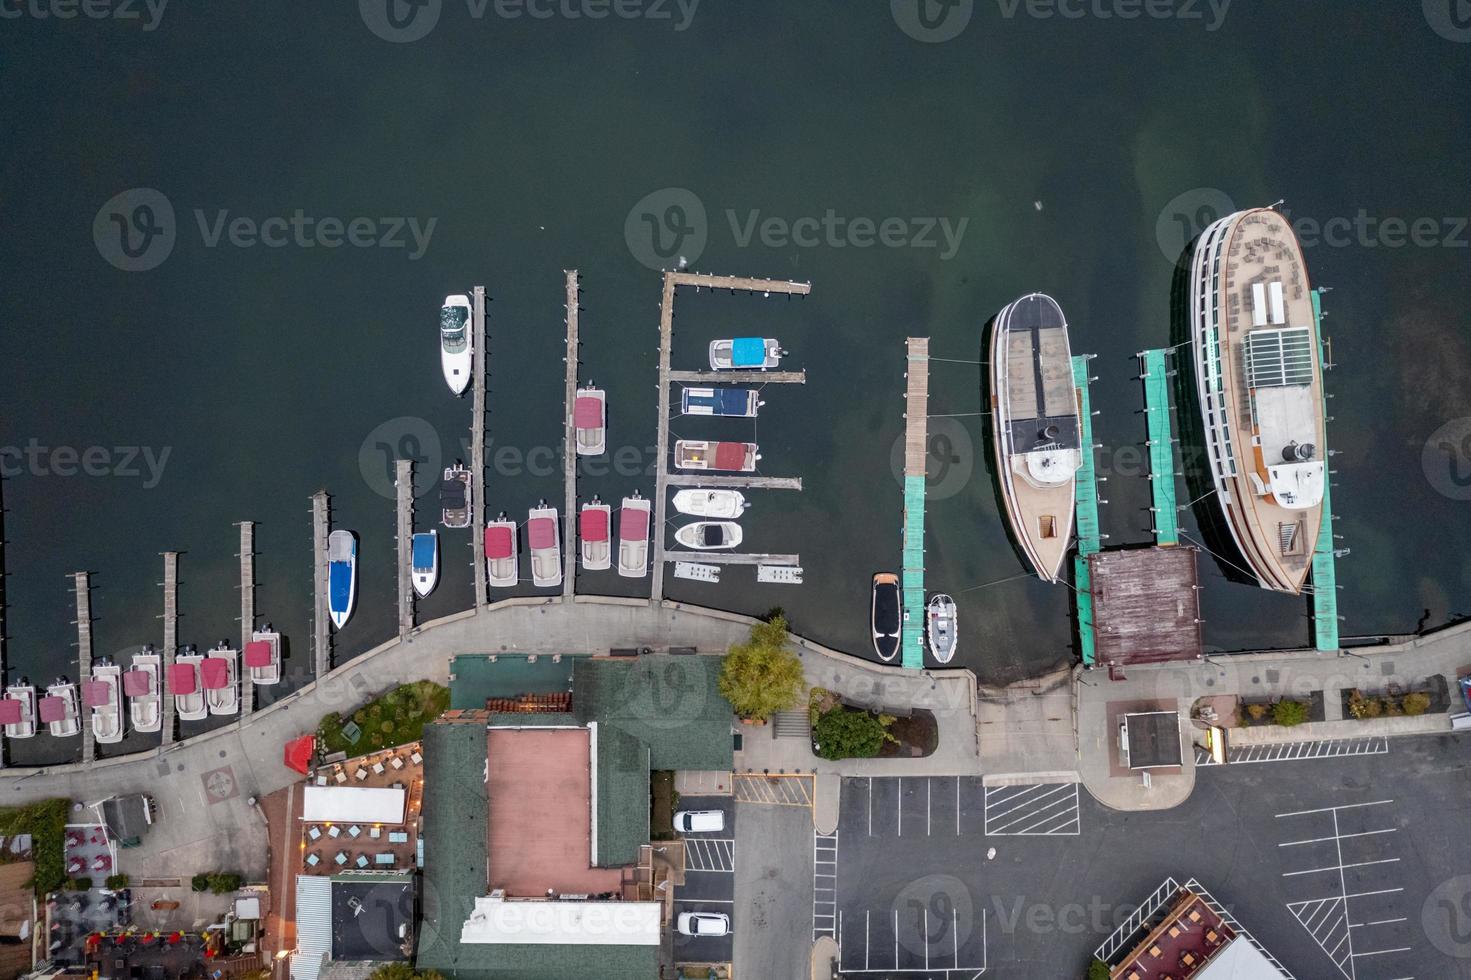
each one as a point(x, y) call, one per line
point(1341, 865)
point(709, 882)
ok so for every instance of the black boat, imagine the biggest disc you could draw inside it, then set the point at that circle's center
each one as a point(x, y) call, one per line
point(886, 615)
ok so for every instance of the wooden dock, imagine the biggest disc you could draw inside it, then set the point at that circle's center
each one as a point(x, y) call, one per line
point(170, 638)
point(403, 485)
point(663, 479)
point(247, 610)
point(478, 496)
point(83, 589)
point(734, 481)
point(569, 447)
point(916, 455)
point(321, 618)
point(730, 558)
point(740, 377)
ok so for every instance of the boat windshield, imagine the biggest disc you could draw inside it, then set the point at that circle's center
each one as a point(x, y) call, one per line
point(452, 328)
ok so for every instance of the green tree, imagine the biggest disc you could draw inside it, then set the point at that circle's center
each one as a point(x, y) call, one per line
point(1416, 703)
point(1098, 970)
point(845, 734)
point(761, 676)
point(117, 883)
point(223, 882)
point(1288, 712)
point(403, 971)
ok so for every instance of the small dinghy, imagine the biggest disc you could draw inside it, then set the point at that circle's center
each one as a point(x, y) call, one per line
point(709, 535)
point(263, 656)
point(745, 353)
point(633, 537)
point(220, 673)
point(943, 623)
point(728, 504)
point(104, 695)
point(592, 524)
point(886, 615)
point(185, 687)
point(500, 552)
point(424, 563)
point(590, 421)
point(58, 709)
point(545, 545)
point(143, 685)
point(454, 497)
point(18, 710)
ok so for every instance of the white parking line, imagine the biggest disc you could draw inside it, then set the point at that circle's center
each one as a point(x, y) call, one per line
point(1319, 840)
point(824, 885)
point(1340, 867)
point(1044, 810)
point(1331, 809)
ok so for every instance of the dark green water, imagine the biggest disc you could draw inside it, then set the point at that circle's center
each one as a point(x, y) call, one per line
point(268, 372)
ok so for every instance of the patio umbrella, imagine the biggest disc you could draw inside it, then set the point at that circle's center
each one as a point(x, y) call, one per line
point(299, 753)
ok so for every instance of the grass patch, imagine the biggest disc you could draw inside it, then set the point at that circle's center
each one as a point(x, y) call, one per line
point(46, 823)
point(663, 800)
point(390, 719)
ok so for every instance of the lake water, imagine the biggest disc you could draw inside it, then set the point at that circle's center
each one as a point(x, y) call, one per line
point(283, 339)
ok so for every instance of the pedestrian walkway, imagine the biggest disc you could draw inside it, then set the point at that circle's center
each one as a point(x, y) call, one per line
point(776, 790)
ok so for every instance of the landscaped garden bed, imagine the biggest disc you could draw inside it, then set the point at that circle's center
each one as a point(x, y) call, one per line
point(390, 719)
point(1430, 698)
point(1286, 712)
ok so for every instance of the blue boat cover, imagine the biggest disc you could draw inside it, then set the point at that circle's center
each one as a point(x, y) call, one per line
point(339, 583)
point(732, 401)
point(425, 545)
point(747, 352)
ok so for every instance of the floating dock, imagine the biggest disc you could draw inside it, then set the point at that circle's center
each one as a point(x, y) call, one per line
point(1161, 445)
point(699, 479)
point(83, 590)
point(1085, 503)
point(663, 478)
point(247, 609)
point(569, 447)
point(170, 637)
point(321, 619)
point(1325, 572)
point(403, 488)
point(478, 497)
point(730, 558)
point(916, 453)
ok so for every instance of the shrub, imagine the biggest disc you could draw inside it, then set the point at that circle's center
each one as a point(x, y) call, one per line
point(223, 882)
point(1416, 703)
point(117, 883)
point(1288, 712)
point(1098, 970)
point(79, 884)
point(761, 676)
point(1256, 711)
point(842, 733)
point(1362, 707)
point(199, 883)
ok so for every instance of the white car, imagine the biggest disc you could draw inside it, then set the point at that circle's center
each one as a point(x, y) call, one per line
point(703, 924)
point(699, 821)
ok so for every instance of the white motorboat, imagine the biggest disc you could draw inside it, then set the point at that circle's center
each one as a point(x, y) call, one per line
point(943, 625)
point(454, 496)
point(18, 710)
point(633, 537)
point(593, 527)
point(220, 673)
point(545, 545)
point(745, 353)
point(424, 562)
point(58, 709)
point(501, 554)
point(456, 357)
point(590, 421)
point(342, 576)
point(143, 687)
point(103, 693)
point(263, 656)
point(709, 535)
point(185, 686)
point(727, 504)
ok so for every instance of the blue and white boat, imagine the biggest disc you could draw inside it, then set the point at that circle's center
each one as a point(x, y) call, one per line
point(342, 576)
point(740, 403)
point(425, 563)
point(745, 353)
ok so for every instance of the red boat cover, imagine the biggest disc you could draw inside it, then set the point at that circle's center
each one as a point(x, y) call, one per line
point(299, 753)
point(541, 532)
point(499, 542)
point(730, 455)
point(136, 683)
point(258, 653)
point(595, 525)
point(216, 671)
point(182, 679)
point(10, 713)
point(633, 524)
point(51, 709)
point(97, 693)
point(587, 412)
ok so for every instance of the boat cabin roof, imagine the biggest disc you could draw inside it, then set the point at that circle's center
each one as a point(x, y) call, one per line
point(183, 679)
point(541, 532)
point(51, 709)
point(97, 693)
point(594, 522)
point(747, 352)
point(730, 455)
point(136, 683)
point(499, 542)
point(216, 671)
point(424, 547)
point(633, 524)
point(258, 653)
point(587, 412)
point(10, 711)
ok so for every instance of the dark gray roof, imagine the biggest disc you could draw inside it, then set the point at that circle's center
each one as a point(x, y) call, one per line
point(368, 913)
point(623, 797)
point(1154, 739)
point(126, 817)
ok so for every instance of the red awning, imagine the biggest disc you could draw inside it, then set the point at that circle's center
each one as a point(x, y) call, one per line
point(258, 653)
point(97, 693)
point(633, 524)
point(216, 671)
point(299, 753)
point(587, 412)
point(730, 455)
point(10, 711)
point(137, 683)
point(541, 532)
point(595, 525)
point(183, 679)
point(51, 709)
point(500, 542)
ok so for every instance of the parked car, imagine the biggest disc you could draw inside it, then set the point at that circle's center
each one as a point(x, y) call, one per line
point(699, 821)
point(703, 924)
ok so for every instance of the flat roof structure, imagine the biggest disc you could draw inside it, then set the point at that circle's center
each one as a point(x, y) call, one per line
point(353, 804)
point(1153, 739)
point(563, 923)
point(372, 916)
point(1146, 605)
